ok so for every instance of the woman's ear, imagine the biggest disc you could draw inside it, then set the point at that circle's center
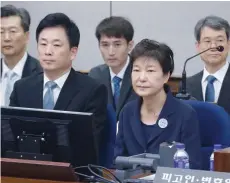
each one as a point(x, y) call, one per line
point(166, 77)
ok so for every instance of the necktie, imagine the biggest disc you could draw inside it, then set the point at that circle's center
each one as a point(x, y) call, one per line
point(210, 92)
point(48, 100)
point(116, 84)
point(11, 76)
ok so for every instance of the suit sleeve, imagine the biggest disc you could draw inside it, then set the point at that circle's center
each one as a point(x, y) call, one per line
point(97, 104)
point(120, 149)
point(13, 97)
point(191, 139)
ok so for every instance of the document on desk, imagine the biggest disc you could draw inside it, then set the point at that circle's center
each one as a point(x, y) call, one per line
point(149, 177)
point(146, 179)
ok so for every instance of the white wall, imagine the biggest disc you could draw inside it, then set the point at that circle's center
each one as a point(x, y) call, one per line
point(169, 22)
point(172, 23)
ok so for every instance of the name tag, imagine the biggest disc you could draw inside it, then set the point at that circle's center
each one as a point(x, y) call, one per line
point(176, 175)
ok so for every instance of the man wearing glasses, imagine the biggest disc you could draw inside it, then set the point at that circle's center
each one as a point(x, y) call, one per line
point(213, 83)
point(115, 38)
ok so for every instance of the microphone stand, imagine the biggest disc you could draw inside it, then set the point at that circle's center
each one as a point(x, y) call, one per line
point(183, 94)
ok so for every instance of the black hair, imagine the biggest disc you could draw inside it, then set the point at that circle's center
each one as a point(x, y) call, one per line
point(60, 20)
point(115, 26)
point(155, 50)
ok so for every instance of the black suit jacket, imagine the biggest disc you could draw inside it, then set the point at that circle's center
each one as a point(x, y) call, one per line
point(194, 87)
point(102, 74)
point(32, 66)
point(79, 93)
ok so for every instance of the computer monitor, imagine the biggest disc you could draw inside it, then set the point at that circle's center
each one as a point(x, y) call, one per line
point(52, 135)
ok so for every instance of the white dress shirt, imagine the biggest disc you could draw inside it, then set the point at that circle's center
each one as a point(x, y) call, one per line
point(60, 82)
point(17, 70)
point(120, 74)
point(219, 75)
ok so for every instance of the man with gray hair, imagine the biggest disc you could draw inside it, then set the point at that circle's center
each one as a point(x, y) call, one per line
point(16, 62)
point(213, 83)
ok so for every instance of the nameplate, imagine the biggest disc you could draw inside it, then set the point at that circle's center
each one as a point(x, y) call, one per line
point(176, 175)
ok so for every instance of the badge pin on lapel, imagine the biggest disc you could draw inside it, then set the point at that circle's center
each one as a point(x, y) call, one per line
point(163, 123)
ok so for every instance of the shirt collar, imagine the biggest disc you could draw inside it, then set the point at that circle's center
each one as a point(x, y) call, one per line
point(60, 81)
point(121, 73)
point(18, 68)
point(219, 75)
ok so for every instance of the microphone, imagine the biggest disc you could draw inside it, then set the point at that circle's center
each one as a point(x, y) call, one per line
point(184, 95)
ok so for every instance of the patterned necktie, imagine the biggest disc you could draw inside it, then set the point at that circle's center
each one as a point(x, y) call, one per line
point(10, 75)
point(48, 100)
point(210, 91)
point(116, 84)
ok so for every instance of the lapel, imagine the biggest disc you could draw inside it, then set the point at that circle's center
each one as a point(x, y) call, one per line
point(68, 91)
point(29, 67)
point(36, 100)
point(106, 79)
point(225, 88)
point(125, 88)
point(167, 110)
point(197, 87)
point(136, 124)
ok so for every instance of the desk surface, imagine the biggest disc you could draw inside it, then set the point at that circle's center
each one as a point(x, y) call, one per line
point(24, 180)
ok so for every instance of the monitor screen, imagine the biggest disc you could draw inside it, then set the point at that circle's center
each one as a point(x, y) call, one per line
point(51, 135)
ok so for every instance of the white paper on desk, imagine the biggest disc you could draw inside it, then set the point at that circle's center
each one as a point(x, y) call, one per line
point(149, 177)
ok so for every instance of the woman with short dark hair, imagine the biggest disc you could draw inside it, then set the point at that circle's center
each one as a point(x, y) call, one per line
point(157, 116)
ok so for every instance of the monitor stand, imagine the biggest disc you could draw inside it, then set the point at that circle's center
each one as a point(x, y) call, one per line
point(29, 146)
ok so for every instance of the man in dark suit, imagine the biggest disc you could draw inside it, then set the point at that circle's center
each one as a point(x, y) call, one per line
point(213, 83)
point(115, 36)
point(17, 63)
point(60, 87)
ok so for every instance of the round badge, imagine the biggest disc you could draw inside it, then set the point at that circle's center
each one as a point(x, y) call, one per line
point(163, 123)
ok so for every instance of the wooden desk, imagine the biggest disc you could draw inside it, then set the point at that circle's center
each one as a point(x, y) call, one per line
point(174, 83)
point(27, 171)
point(222, 160)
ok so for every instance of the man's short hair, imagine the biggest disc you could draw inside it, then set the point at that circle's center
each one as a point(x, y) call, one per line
point(115, 26)
point(60, 20)
point(10, 10)
point(213, 22)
